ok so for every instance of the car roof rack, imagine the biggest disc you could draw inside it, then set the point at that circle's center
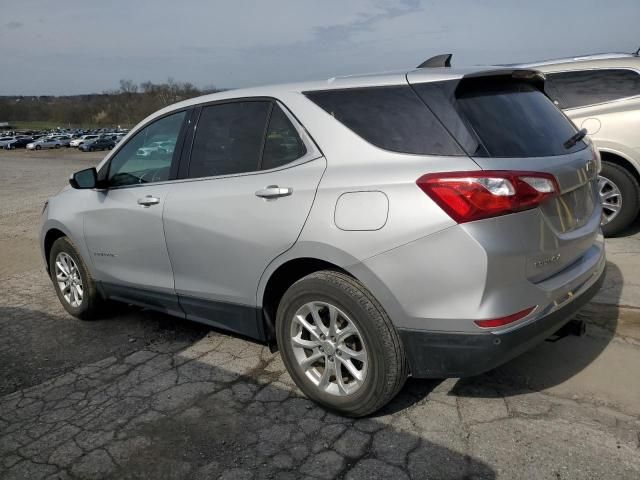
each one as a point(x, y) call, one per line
point(438, 61)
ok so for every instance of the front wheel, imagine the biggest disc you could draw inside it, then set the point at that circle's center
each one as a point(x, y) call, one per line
point(76, 289)
point(38, 147)
point(620, 194)
point(339, 345)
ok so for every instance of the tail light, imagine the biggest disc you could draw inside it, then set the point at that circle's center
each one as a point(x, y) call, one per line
point(469, 196)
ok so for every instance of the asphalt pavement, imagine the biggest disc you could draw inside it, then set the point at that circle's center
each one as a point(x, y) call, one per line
point(144, 395)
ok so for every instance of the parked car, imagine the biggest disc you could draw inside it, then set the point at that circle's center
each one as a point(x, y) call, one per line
point(44, 142)
point(602, 94)
point(65, 140)
point(21, 142)
point(4, 141)
point(164, 147)
point(79, 141)
point(103, 143)
point(367, 227)
point(118, 137)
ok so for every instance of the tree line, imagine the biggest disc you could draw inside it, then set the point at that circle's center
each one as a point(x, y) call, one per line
point(124, 106)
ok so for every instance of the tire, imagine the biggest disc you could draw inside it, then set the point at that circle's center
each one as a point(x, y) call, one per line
point(57, 146)
point(386, 364)
point(629, 196)
point(38, 147)
point(92, 304)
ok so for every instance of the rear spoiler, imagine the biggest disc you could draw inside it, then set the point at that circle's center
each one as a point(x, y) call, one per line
point(529, 75)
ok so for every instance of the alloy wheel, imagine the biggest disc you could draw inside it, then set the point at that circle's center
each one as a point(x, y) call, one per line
point(329, 348)
point(69, 279)
point(611, 199)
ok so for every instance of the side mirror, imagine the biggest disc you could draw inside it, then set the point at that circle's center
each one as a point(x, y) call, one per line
point(87, 178)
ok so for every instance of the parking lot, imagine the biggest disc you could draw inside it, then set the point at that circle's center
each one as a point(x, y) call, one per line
point(144, 395)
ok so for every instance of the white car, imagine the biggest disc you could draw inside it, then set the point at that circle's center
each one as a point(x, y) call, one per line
point(164, 147)
point(44, 143)
point(4, 141)
point(118, 136)
point(79, 141)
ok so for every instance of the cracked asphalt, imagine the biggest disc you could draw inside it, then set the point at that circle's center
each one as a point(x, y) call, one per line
point(143, 395)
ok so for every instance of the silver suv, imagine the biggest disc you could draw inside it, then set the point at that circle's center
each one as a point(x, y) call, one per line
point(602, 94)
point(436, 222)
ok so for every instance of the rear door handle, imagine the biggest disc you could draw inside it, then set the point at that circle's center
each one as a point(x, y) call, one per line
point(148, 201)
point(274, 191)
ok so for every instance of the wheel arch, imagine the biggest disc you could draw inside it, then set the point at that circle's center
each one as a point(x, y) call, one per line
point(279, 281)
point(308, 257)
point(618, 158)
point(50, 237)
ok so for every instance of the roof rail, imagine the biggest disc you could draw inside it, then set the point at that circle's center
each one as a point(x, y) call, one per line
point(443, 60)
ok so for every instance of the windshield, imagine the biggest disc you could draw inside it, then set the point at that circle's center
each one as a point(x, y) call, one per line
point(500, 117)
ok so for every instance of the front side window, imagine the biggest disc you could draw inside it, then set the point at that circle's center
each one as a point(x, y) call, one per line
point(590, 87)
point(147, 157)
point(228, 139)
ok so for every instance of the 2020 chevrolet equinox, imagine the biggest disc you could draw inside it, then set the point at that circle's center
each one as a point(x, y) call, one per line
point(433, 223)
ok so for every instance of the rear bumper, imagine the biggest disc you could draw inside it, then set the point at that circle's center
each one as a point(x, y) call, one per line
point(434, 354)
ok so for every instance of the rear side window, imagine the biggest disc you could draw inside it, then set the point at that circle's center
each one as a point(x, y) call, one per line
point(228, 139)
point(392, 118)
point(590, 87)
point(282, 144)
point(497, 117)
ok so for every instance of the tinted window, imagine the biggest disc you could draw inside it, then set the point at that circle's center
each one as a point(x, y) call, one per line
point(589, 87)
point(441, 98)
point(148, 155)
point(515, 119)
point(500, 117)
point(228, 139)
point(393, 118)
point(282, 144)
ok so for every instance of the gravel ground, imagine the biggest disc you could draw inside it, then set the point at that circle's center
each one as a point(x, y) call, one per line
point(143, 395)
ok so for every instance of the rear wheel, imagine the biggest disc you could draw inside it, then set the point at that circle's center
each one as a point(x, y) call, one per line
point(620, 194)
point(76, 289)
point(57, 145)
point(339, 345)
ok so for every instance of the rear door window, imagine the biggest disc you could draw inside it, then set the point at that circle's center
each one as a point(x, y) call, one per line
point(500, 117)
point(590, 87)
point(392, 118)
point(229, 138)
point(282, 144)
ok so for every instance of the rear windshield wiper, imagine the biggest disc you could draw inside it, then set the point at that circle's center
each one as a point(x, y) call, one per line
point(575, 138)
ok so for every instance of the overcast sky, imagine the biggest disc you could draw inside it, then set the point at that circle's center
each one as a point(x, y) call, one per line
point(68, 46)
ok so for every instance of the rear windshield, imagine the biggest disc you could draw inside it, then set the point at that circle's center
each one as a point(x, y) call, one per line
point(498, 117)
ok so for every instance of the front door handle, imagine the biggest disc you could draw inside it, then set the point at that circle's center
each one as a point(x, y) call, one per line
point(274, 191)
point(148, 201)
